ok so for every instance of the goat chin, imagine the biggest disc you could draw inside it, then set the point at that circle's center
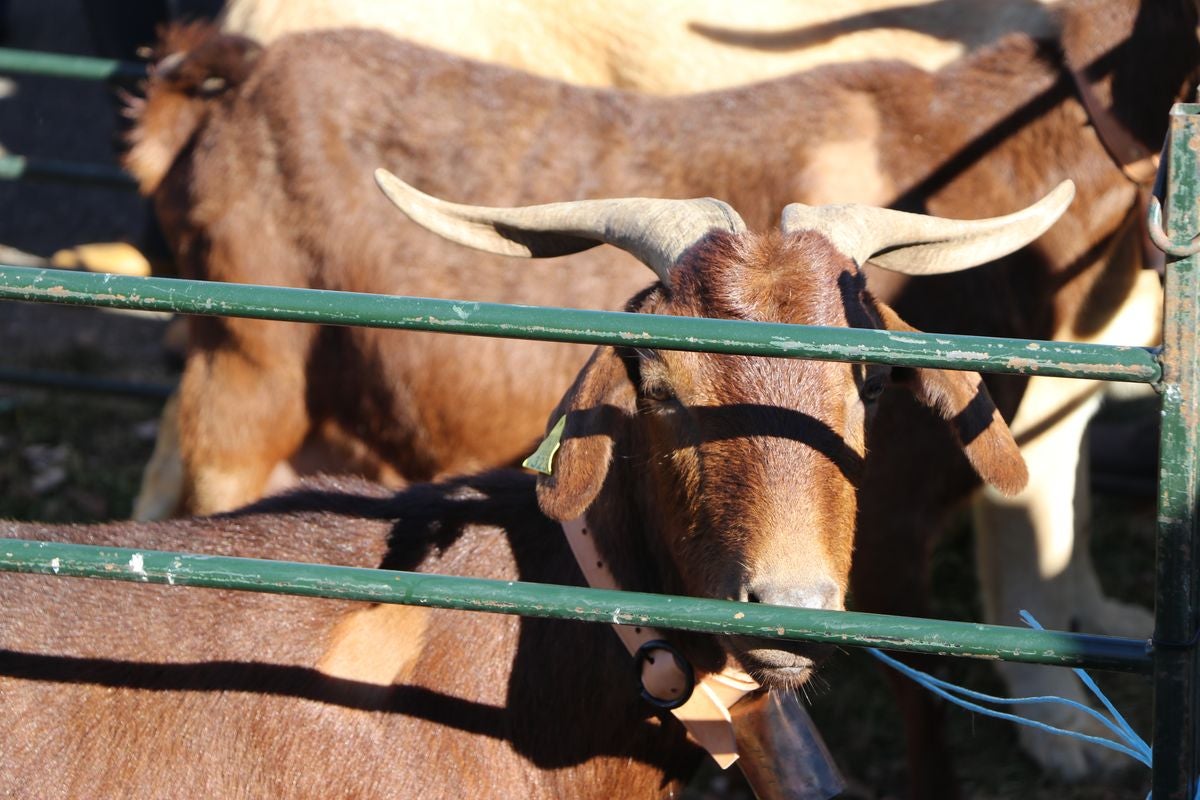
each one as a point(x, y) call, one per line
point(779, 665)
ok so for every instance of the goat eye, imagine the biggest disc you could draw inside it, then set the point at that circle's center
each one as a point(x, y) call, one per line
point(657, 391)
point(871, 389)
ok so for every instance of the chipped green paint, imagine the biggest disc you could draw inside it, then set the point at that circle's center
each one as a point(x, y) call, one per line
point(575, 603)
point(1177, 603)
point(28, 168)
point(61, 65)
point(987, 354)
point(1175, 371)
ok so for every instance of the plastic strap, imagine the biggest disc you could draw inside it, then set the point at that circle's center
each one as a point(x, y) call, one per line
point(705, 713)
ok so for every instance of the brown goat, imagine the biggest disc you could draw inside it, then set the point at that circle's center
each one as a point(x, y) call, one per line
point(302, 219)
point(710, 475)
point(270, 188)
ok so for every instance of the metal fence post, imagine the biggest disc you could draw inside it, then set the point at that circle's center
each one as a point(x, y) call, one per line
point(1176, 684)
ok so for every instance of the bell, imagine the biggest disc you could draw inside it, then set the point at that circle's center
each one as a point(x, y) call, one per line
point(780, 751)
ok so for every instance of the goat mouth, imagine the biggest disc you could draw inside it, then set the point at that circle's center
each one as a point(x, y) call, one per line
point(779, 665)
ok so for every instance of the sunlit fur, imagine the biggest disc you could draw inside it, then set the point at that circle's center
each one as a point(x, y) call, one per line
point(274, 192)
point(662, 47)
point(271, 184)
point(716, 476)
point(744, 491)
point(732, 476)
point(180, 95)
point(766, 506)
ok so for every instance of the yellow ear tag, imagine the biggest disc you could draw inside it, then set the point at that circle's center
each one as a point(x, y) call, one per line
point(542, 459)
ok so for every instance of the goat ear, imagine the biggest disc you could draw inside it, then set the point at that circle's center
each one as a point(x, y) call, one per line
point(596, 408)
point(962, 399)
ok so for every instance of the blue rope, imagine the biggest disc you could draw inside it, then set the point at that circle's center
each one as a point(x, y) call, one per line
point(952, 693)
point(1130, 734)
point(1128, 742)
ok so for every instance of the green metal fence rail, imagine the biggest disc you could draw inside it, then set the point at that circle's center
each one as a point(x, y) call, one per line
point(1176, 606)
point(53, 170)
point(989, 354)
point(1175, 371)
point(91, 384)
point(576, 603)
point(64, 65)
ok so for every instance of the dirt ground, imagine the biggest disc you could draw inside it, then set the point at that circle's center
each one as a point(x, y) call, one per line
point(77, 457)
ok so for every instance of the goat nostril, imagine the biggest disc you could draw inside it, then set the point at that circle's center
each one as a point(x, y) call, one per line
point(816, 594)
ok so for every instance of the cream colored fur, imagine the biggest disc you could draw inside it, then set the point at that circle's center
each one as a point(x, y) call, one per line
point(664, 46)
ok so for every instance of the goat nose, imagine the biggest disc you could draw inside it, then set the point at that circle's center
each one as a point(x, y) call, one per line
point(821, 593)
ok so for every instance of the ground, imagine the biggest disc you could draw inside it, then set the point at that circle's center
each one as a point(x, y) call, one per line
point(77, 457)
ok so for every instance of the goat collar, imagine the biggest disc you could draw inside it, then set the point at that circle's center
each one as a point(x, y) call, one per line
point(705, 713)
point(1139, 164)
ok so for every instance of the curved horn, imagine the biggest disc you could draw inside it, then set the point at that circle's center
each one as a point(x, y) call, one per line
point(915, 244)
point(656, 232)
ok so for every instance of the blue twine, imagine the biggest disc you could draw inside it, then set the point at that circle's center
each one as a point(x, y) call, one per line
point(1128, 742)
point(1129, 735)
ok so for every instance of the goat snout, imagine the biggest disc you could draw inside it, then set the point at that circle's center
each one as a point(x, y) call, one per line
point(779, 663)
point(823, 593)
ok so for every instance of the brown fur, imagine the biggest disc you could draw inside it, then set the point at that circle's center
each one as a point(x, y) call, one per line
point(113, 689)
point(191, 68)
point(276, 189)
point(715, 476)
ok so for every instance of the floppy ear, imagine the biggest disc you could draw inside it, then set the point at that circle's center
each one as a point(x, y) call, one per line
point(597, 407)
point(962, 399)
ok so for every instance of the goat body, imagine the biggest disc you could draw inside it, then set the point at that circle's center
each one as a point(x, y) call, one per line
point(666, 47)
point(114, 690)
point(688, 467)
point(267, 181)
point(274, 188)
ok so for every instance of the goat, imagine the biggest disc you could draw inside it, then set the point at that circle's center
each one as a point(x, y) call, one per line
point(600, 45)
point(664, 47)
point(245, 172)
point(710, 475)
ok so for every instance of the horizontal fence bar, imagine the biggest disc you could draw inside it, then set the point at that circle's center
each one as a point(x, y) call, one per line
point(92, 384)
point(985, 354)
point(903, 634)
point(66, 65)
point(52, 170)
